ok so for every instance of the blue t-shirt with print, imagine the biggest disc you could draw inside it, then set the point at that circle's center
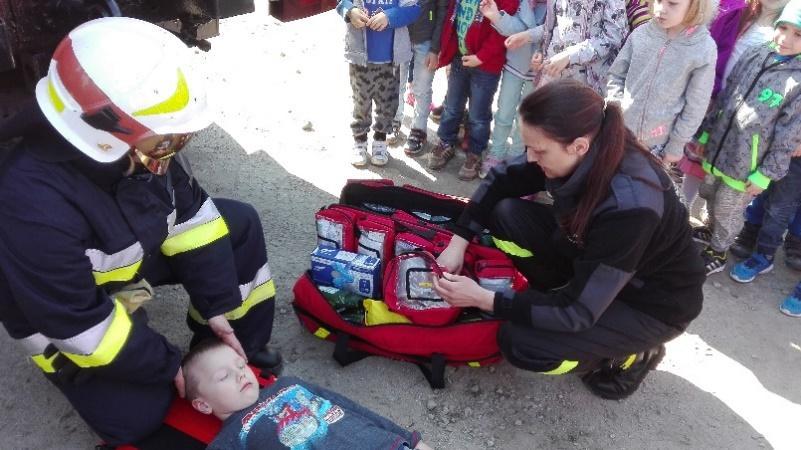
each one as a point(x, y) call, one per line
point(379, 43)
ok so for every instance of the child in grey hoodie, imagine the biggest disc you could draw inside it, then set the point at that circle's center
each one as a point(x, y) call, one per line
point(663, 76)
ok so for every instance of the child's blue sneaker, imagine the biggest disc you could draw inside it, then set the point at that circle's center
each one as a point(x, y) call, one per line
point(746, 271)
point(792, 304)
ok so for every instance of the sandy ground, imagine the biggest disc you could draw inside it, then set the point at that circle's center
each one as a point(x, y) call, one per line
point(730, 382)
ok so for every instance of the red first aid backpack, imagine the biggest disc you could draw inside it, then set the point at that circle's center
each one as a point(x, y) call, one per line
point(397, 224)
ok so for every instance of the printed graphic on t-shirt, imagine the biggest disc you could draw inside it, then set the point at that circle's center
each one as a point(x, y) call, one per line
point(302, 418)
point(379, 43)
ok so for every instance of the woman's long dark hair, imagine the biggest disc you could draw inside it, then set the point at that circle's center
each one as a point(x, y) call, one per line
point(565, 110)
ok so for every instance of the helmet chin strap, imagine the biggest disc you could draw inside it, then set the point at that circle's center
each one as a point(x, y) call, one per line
point(154, 166)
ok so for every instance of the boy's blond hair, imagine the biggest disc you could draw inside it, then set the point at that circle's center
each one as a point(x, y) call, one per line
point(700, 12)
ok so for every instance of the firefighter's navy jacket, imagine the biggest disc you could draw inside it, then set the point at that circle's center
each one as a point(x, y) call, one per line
point(73, 231)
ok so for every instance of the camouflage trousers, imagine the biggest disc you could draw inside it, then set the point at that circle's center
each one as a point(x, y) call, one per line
point(373, 83)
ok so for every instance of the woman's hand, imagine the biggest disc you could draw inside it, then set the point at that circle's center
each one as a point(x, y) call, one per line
point(452, 258)
point(464, 292)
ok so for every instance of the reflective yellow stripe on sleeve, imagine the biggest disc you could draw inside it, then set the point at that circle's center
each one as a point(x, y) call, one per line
point(116, 267)
point(511, 248)
point(563, 368)
point(258, 295)
point(110, 342)
point(195, 238)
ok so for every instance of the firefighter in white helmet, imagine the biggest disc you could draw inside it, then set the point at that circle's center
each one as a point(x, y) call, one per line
point(96, 206)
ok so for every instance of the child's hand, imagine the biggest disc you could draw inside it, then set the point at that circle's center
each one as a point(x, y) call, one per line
point(752, 189)
point(797, 152)
point(431, 61)
point(670, 159)
point(358, 18)
point(378, 22)
point(489, 9)
point(517, 40)
point(471, 61)
point(554, 66)
point(536, 61)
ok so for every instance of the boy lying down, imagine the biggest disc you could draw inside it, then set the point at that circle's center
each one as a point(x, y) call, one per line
point(290, 413)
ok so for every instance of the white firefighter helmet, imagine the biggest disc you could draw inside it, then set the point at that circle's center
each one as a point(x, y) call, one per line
point(115, 81)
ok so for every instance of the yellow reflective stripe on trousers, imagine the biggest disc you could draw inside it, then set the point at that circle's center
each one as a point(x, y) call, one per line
point(258, 295)
point(511, 248)
point(563, 368)
point(120, 266)
point(46, 364)
point(110, 344)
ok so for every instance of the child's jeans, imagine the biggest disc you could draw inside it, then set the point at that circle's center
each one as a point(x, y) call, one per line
point(726, 206)
point(775, 208)
point(422, 78)
point(513, 88)
point(374, 82)
point(480, 86)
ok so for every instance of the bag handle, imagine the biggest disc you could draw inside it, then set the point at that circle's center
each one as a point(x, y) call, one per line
point(344, 355)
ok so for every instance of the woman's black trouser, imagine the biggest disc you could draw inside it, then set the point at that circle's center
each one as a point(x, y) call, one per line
point(525, 231)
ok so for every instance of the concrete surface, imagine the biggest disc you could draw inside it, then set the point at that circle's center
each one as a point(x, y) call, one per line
point(732, 381)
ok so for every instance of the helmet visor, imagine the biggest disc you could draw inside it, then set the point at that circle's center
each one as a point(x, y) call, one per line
point(157, 158)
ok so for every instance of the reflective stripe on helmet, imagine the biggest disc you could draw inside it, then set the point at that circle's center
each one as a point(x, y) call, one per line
point(177, 101)
point(98, 109)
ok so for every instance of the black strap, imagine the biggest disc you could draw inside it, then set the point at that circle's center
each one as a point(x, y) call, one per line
point(344, 355)
point(435, 374)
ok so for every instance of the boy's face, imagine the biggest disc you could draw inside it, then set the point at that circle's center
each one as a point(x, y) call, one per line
point(787, 38)
point(670, 14)
point(225, 383)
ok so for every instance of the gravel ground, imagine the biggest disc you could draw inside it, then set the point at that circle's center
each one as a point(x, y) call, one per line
point(282, 136)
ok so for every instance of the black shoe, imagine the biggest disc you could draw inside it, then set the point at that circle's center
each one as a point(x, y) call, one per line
point(267, 359)
point(792, 251)
point(415, 144)
point(615, 382)
point(745, 242)
point(714, 262)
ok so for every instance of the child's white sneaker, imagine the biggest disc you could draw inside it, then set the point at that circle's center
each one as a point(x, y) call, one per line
point(380, 155)
point(359, 154)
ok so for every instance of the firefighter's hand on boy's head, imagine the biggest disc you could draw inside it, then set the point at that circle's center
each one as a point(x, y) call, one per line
point(222, 329)
point(378, 22)
point(358, 18)
point(517, 40)
point(471, 61)
point(489, 9)
point(432, 61)
point(463, 292)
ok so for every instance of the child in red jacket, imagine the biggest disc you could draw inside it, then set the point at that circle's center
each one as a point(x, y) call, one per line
point(476, 54)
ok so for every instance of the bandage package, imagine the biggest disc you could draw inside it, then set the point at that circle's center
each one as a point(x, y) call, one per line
point(360, 274)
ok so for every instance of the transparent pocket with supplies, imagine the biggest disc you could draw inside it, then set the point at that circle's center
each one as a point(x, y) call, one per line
point(409, 289)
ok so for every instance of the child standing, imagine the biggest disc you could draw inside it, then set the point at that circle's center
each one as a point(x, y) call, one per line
point(579, 40)
point(750, 134)
point(516, 80)
point(425, 35)
point(377, 41)
point(664, 74)
point(736, 30)
point(638, 13)
point(476, 54)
